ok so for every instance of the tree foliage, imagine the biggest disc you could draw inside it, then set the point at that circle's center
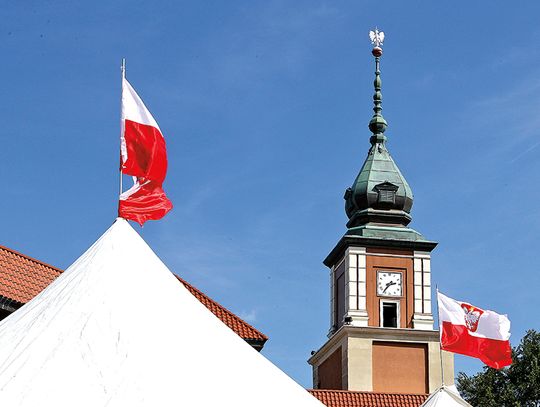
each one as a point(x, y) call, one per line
point(518, 385)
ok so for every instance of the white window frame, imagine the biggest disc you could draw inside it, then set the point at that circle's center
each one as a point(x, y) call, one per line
point(398, 319)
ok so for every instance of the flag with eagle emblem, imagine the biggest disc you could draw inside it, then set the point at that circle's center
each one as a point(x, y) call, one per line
point(472, 331)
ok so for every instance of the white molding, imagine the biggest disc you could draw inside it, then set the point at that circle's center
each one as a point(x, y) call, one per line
point(423, 255)
point(358, 318)
point(423, 322)
point(356, 250)
point(422, 316)
point(427, 306)
point(355, 280)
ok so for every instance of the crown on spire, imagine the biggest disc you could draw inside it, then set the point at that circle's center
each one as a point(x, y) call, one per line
point(377, 123)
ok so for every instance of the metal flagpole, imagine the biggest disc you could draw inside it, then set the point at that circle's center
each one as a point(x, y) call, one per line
point(440, 345)
point(123, 75)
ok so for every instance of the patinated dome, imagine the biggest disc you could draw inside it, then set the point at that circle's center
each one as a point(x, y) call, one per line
point(379, 193)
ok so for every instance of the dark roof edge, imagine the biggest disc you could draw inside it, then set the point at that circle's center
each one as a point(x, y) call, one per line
point(9, 304)
point(352, 240)
point(258, 344)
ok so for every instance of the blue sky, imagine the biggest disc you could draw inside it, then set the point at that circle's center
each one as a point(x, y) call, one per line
point(265, 105)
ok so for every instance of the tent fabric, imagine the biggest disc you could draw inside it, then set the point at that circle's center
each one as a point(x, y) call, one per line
point(445, 396)
point(116, 329)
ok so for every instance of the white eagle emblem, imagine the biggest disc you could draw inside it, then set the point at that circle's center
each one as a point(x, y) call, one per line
point(376, 37)
point(472, 316)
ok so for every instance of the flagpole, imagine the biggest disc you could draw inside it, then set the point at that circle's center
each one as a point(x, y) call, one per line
point(123, 75)
point(440, 345)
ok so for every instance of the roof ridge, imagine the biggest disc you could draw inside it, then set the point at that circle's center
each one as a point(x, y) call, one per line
point(232, 314)
point(17, 253)
point(368, 392)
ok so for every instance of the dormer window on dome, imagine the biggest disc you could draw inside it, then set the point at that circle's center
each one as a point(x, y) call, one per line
point(386, 193)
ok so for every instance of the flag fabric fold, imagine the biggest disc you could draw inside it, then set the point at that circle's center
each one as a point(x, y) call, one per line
point(472, 331)
point(143, 155)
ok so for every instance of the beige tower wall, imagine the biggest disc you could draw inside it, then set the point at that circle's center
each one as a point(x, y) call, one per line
point(363, 360)
point(359, 364)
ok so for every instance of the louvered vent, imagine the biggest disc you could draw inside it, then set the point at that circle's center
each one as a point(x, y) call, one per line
point(387, 196)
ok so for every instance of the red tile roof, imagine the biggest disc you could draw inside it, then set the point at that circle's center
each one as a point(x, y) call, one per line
point(343, 398)
point(242, 328)
point(22, 278)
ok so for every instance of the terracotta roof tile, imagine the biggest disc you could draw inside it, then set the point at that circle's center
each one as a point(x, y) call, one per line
point(343, 398)
point(238, 325)
point(22, 277)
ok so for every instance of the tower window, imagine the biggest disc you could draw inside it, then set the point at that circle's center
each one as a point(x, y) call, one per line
point(386, 192)
point(390, 314)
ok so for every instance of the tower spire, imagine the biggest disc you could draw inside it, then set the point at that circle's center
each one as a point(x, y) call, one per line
point(377, 123)
point(380, 194)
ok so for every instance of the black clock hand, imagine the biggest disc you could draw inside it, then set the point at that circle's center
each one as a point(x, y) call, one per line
point(388, 285)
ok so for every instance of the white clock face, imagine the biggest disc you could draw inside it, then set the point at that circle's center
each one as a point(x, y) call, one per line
point(389, 284)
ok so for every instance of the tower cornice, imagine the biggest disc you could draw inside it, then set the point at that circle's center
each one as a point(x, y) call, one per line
point(416, 242)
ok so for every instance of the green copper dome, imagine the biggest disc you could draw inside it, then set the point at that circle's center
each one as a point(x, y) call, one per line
point(380, 195)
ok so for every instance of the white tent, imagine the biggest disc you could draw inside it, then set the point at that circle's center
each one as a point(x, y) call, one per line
point(118, 329)
point(445, 397)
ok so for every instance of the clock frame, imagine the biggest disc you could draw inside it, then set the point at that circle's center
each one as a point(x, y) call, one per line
point(389, 284)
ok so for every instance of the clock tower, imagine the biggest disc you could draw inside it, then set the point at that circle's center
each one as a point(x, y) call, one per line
point(381, 335)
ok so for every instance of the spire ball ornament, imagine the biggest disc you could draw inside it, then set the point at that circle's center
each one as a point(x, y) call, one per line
point(377, 39)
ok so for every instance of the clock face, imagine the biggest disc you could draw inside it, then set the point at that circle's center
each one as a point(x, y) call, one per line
point(389, 284)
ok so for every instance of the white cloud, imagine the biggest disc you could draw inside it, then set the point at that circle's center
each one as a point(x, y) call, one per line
point(248, 316)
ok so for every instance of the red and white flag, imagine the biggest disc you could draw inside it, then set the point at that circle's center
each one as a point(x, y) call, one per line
point(472, 331)
point(143, 156)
